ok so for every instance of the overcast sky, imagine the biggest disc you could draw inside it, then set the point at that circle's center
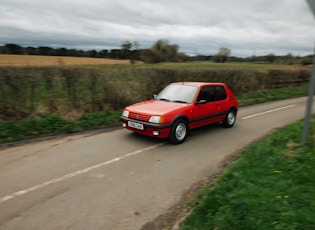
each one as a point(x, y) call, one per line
point(246, 27)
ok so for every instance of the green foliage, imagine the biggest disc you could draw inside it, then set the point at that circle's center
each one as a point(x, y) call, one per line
point(13, 49)
point(222, 56)
point(162, 51)
point(151, 56)
point(271, 58)
point(270, 186)
point(38, 91)
point(307, 60)
point(168, 51)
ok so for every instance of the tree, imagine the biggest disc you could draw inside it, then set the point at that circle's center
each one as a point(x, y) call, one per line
point(222, 55)
point(61, 52)
point(31, 50)
point(151, 56)
point(271, 58)
point(115, 53)
point(130, 50)
point(93, 53)
point(13, 49)
point(103, 53)
point(44, 50)
point(136, 45)
point(126, 49)
point(289, 59)
point(182, 57)
point(168, 51)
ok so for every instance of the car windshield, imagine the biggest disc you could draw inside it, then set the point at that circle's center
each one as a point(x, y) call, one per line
point(178, 93)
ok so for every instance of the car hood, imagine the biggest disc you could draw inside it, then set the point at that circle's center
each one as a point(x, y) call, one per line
point(155, 107)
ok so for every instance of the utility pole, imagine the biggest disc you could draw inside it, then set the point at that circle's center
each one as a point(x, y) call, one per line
point(307, 119)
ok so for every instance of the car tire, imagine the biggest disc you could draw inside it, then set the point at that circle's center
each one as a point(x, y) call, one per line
point(230, 119)
point(178, 132)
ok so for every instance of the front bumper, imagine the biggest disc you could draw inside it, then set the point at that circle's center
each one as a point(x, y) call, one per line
point(147, 128)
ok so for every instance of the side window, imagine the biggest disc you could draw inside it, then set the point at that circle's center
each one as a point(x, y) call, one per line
point(207, 93)
point(220, 93)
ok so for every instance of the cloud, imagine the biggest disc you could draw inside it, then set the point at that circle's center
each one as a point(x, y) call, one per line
point(246, 27)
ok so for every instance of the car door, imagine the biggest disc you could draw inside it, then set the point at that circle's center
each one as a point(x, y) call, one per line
point(222, 103)
point(207, 108)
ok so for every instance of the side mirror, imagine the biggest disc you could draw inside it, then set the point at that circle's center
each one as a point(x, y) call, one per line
point(201, 102)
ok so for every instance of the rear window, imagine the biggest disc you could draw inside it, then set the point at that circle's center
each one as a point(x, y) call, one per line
point(212, 93)
point(220, 93)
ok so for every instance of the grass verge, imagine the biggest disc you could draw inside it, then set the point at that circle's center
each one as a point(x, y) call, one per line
point(272, 95)
point(270, 186)
point(53, 125)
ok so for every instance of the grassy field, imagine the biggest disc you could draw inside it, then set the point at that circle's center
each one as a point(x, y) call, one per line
point(33, 60)
point(211, 65)
point(270, 186)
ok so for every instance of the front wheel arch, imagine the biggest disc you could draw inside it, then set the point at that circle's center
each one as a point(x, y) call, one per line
point(183, 117)
point(179, 131)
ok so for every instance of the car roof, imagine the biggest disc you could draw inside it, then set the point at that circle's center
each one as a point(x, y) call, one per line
point(198, 83)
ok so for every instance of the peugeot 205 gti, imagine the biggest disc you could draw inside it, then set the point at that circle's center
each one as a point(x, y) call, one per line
point(180, 107)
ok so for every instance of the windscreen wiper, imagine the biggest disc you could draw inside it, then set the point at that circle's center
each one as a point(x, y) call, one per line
point(164, 99)
point(178, 101)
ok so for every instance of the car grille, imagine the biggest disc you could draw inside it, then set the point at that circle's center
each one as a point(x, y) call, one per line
point(140, 117)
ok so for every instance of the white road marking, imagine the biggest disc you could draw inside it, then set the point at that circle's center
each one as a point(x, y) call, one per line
point(269, 111)
point(68, 176)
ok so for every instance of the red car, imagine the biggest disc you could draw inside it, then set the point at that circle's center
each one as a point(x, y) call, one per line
point(180, 107)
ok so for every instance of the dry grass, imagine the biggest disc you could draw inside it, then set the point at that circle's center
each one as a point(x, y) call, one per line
point(33, 60)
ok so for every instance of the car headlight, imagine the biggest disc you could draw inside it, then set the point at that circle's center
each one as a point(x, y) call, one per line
point(156, 119)
point(125, 113)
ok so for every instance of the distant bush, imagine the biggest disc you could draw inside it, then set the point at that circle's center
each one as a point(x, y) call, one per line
point(307, 60)
point(151, 56)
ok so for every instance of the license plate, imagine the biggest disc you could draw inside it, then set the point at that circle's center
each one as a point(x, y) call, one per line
point(135, 125)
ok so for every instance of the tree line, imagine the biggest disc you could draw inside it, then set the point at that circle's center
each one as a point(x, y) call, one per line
point(49, 51)
point(161, 51)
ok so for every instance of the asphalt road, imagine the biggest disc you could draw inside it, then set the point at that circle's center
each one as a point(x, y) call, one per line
point(117, 179)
